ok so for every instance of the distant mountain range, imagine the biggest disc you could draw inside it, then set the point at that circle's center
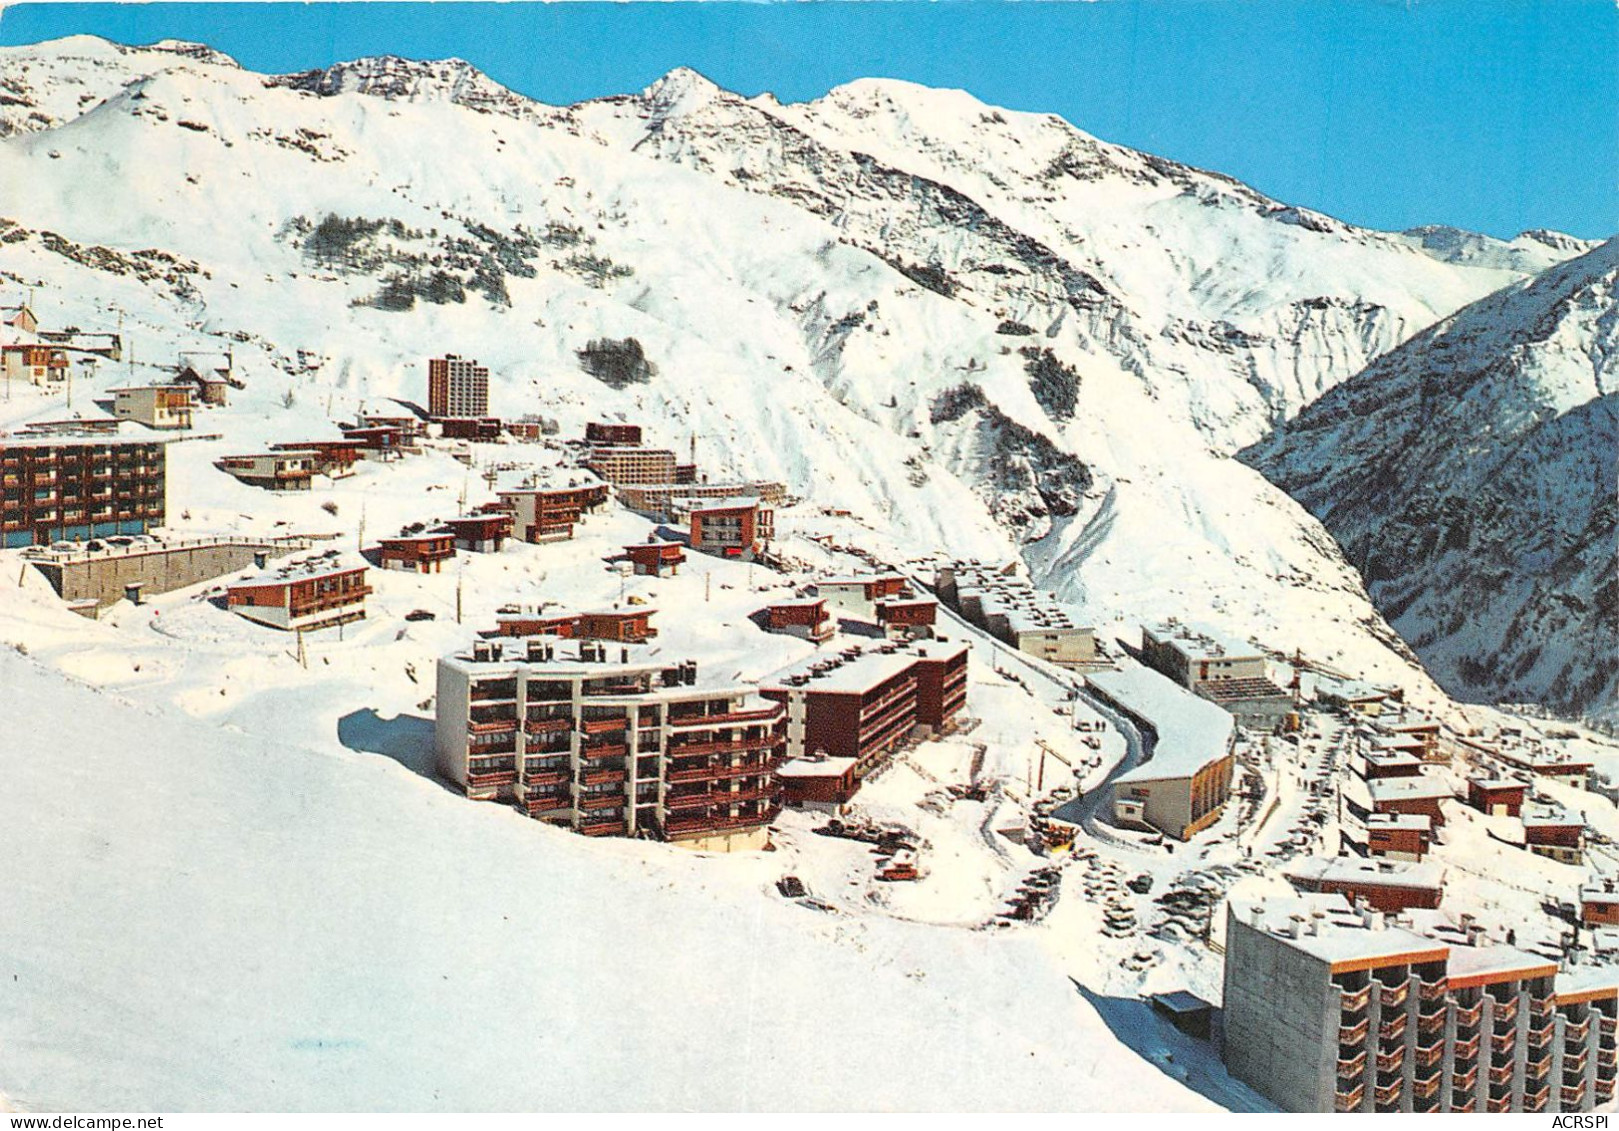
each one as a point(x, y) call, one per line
point(981, 332)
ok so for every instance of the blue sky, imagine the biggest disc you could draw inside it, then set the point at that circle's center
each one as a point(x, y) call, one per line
point(1493, 115)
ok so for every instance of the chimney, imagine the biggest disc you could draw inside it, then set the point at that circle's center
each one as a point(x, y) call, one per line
point(1314, 924)
point(261, 559)
point(1295, 925)
point(482, 651)
point(624, 655)
point(536, 649)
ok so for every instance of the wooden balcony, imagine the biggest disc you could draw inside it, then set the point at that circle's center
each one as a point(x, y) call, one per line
point(1433, 991)
point(684, 801)
point(685, 722)
point(1353, 1001)
point(1542, 1034)
point(1464, 1081)
point(1431, 1024)
point(1468, 1049)
point(722, 773)
point(1572, 1095)
point(603, 726)
point(1502, 1044)
point(547, 726)
point(546, 777)
point(731, 746)
point(1604, 1091)
point(1576, 1032)
point(546, 803)
point(1609, 1025)
point(606, 826)
point(1392, 997)
point(1430, 1055)
point(1537, 1098)
point(603, 777)
point(1385, 1094)
point(1349, 1099)
point(1495, 1105)
point(484, 781)
point(491, 726)
point(1392, 1028)
point(1468, 1017)
point(1506, 1011)
point(597, 753)
point(1575, 1062)
point(1352, 1067)
point(1353, 1034)
point(601, 801)
point(1391, 1060)
point(1464, 1105)
point(1428, 1086)
point(685, 826)
point(1607, 1058)
point(1500, 1074)
point(1539, 1068)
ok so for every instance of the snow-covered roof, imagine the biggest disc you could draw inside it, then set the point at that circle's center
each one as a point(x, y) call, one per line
point(1192, 732)
point(851, 672)
point(850, 580)
point(97, 440)
point(1599, 891)
point(1482, 965)
point(730, 503)
point(1201, 642)
point(1582, 983)
point(323, 564)
point(828, 767)
point(1399, 822)
point(1341, 934)
point(568, 658)
point(1408, 789)
point(1549, 817)
point(1346, 869)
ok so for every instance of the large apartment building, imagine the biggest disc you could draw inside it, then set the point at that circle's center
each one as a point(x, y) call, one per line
point(456, 387)
point(728, 528)
point(1183, 786)
point(56, 489)
point(612, 740)
point(631, 465)
point(863, 704)
point(1330, 1008)
point(1007, 607)
point(549, 514)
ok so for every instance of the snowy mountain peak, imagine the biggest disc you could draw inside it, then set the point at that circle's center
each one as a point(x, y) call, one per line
point(1470, 474)
point(200, 52)
point(681, 91)
point(409, 80)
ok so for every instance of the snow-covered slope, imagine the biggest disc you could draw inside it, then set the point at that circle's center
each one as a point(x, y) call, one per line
point(38, 91)
point(191, 924)
point(979, 331)
point(1471, 473)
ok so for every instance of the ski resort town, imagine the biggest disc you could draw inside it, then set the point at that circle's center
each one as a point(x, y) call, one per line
point(648, 650)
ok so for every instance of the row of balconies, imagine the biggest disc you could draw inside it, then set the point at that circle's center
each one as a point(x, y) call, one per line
point(768, 714)
point(721, 824)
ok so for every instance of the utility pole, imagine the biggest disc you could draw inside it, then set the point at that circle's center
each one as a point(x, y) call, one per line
point(460, 577)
